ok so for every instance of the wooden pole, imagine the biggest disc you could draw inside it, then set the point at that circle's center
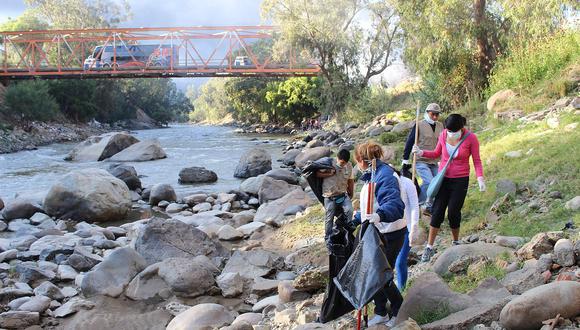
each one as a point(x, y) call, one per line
point(416, 138)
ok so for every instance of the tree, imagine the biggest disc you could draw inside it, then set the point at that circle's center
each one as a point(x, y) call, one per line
point(30, 101)
point(294, 99)
point(248, 99)
point(353, 40)
point(212, 102)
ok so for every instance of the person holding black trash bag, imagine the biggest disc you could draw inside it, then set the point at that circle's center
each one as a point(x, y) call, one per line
point(388, 218)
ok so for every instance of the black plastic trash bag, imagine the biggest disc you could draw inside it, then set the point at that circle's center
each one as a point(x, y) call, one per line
point(309, 173)
point(367, 270)
point(340, 248)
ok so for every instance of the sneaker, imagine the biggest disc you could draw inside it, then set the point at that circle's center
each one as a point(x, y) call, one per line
point(427, 254)
point(378, 320)
point(391, 322)
point(456, 243)
point(426, 211)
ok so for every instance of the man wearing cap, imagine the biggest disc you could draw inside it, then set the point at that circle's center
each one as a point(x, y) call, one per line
point(429, 130)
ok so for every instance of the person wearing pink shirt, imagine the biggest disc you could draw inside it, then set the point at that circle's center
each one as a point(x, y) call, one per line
point(453, 191)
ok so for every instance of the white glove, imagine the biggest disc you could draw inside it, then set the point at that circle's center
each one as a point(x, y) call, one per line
point(417, 150)
point(406, 162)
point(373, 218)
point(481, 182)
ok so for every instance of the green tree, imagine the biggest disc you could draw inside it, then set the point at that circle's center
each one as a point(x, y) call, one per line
point(75, 98)
point(294, 99)
point(212, 103)
point(30, 101)
point(248, 99)
point(352, 40)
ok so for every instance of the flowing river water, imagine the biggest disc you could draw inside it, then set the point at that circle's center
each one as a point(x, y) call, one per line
point(31, 173)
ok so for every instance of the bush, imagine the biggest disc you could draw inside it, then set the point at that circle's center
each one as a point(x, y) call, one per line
point(541, 59)
point(29, 101)
point(392, 137)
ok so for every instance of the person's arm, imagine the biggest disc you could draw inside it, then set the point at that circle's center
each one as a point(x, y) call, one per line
point(475, 156)
point(409, 144)
point(350, 188)
point(391, 207)
point(324, 173)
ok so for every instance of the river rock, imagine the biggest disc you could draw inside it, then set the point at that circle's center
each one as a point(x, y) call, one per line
point(111, 276)
point(97, 148)
point(273, 212)
point(18, 319)
point(161, 239)
point(20, 209)
point(252, 185)
point(14, 304)
point(66, 272)
point(83, 260)
point(231, 284)
point(141, 152)
point(522, 280)
point(1, 204)
point(273, 189)
point(506, 186)
point(509, 241)
point(403, 126)
point(210, 316)
point(311, 155)
point(250, 318)
point(263, 287)
point(542, 303)
point(194, 199)
point(243, 218)
point(573, 204)
point(89, 194)
point(469, 317)
point(283, 174)
point(50, 290)
point(428, 293)
point(197, 175)
point(564, 252)
point(49, 246)
point(254, 263)
point(489, 291)
point(72, 306)
point(162, 192)
point(252, 163)
point(127, 174)
point(500, 97)
point(540, 244)
point(229, 233)
point(36, 304)
point(188, 277)
point(288, 293)
point(289, 157)
point(147, 285)
point(29, 271)
point(266, 302)
point(441, 265)
point(250, 228)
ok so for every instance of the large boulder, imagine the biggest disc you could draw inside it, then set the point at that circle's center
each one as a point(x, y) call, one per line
point(127, 174)
point(564, 252)
point(162, 192)
point(289, 157)
point(148, 285)
point(202, 316)
point(161, 239)
point(1, 204)
point(20, 209)
point(273, 189)
point(403, 126)
point(283, 174)
point(254, 263)
point(273, 212)
point(469, 317)
point(522, 280)
point(252, 163)
point(542, 303)
point(90, 194)
point(252, 185)
point(111, 276)
point(499, 97)
point(311, 155)
point(141, 152)
point(188, 277)
point(441, 265)
point(196, 174)
point(540, 244)
point(429, 293)
point(231, 284)
point(97, 148)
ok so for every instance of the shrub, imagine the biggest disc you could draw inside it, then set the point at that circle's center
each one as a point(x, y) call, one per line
point(30, 100)
point(392, 137)
point(428, 316)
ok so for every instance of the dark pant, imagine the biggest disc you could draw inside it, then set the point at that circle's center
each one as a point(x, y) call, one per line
point(390, 291)
point(451, 197)
point(333, 210)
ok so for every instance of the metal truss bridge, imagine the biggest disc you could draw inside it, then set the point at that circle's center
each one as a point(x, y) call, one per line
point(224, 51)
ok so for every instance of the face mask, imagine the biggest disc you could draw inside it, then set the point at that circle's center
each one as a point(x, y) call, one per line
point(428, 119)
point(454, 135)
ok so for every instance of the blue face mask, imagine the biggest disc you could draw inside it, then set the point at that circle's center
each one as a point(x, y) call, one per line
point(454, 136)
point(428, 119)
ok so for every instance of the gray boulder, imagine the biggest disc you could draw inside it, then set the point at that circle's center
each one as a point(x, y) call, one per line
point(188, 277)
point(202, 316)
point(148, 285)
point(249, 228)
point(36, 304)
point(520, 281)
point(509, 241)
point(573, 204)
point(97, 148)
point(252, 185)
point(20, 209)
point(542, 303)
point(161, 192)
point(111, 276)
point(540, 244)
point(197, 175)
point(83, 259)
point(403, 126)
point(273, 212)
point(505, 186)
point(243, 217)
point(19, 319)
point(231, 284)
point(252, 163)
point(311, 155)
point(469, 317)
point(30, 272)
point(141, 152)
point(49, 290)
point(564, 253)
point(229, 233)
point(283, 174)
point(273, 189)
point(253, 263)
point(72, 306)
point(289, 157)
point(89, 194)
point(127, 174)
point(161, 239)
point(441, 265)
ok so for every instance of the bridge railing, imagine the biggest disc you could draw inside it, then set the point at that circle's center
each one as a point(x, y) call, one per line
point(147, 52)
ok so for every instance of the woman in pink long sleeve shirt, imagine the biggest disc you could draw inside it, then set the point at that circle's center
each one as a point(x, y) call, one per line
point(453, 191)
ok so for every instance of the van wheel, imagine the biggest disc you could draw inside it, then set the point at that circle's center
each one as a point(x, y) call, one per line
point(106, 66)
point(115, 66)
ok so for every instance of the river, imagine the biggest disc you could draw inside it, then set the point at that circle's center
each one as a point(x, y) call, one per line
point(31, 173)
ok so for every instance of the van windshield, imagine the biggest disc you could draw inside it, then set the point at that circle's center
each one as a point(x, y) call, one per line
point(96, 54)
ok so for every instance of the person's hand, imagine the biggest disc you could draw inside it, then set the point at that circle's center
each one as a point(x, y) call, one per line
point(373, 218)
point(405, 162)
point(481, 182)
point(411, 237)
point(416, 150)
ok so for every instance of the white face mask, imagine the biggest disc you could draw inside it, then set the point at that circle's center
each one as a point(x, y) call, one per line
point(454, 136)
point(428, 119)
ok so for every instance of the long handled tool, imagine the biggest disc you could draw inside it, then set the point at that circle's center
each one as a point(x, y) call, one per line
point(369, 210)
point(416, 138)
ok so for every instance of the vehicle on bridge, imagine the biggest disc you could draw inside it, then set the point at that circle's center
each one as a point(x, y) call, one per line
point(131, 56)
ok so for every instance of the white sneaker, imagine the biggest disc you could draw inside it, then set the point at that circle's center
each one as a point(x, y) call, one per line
point(391, 322)
point(378, 320)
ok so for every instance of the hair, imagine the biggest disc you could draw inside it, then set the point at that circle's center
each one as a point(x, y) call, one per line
point(343, 154)
point(368, 151)
point(455, 122)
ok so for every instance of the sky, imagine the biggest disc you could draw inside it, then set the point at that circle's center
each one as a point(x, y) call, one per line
point(168, 13)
